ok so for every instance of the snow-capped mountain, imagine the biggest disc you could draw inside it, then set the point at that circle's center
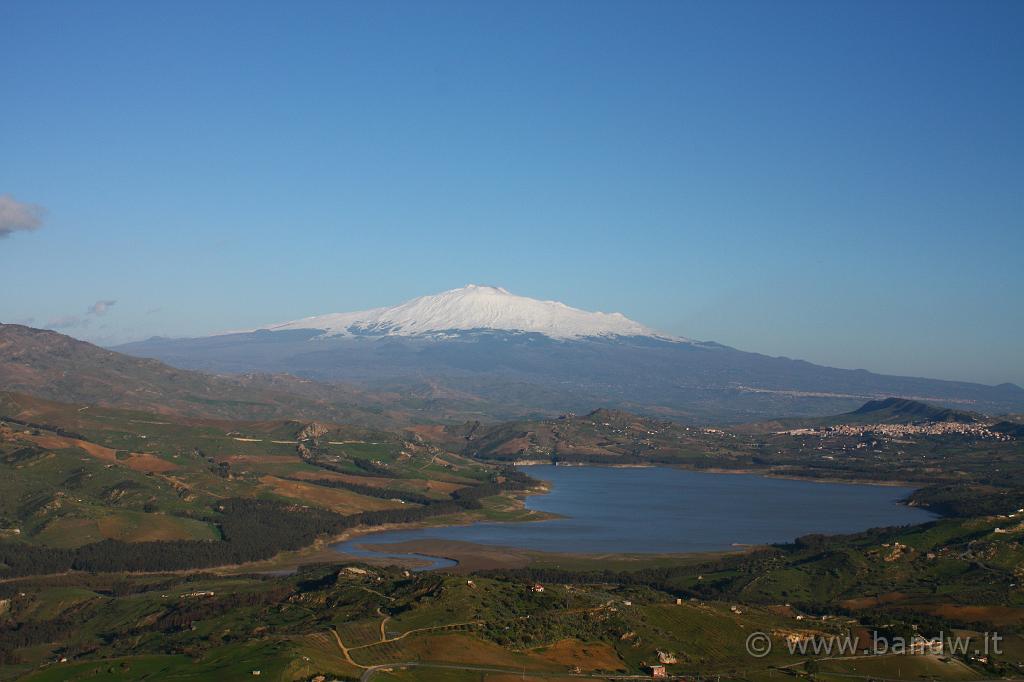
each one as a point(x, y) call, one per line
point(482, 352)
point(472, 308)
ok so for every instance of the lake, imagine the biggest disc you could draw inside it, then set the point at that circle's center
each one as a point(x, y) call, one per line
point(661, 509)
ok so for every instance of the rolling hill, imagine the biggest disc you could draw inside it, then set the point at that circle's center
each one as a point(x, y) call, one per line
point(50, 365)
point(886, 440)
point(901, 410)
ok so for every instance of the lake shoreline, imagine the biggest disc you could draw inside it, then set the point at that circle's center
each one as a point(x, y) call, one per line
point(472, 555)
point(765, 472)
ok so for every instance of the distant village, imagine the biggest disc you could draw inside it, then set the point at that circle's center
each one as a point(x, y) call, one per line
point(976, 431)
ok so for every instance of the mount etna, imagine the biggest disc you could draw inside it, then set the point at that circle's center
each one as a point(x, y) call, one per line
point(483, 350)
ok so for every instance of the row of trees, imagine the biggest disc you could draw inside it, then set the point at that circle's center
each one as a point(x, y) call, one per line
point(44, 427)
point(369, 491)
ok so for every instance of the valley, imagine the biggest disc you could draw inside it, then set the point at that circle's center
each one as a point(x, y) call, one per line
point(143, 543)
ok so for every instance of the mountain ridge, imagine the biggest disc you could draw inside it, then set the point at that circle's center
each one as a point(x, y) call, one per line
point(509, 375)
point(52, 366)
point(508, 356)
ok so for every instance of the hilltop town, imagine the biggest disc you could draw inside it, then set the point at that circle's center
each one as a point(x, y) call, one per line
point(974, 431)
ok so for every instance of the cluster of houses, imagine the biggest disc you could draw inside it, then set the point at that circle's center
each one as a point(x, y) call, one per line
point(979, 431)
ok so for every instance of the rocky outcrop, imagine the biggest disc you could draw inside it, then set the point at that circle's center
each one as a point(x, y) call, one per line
point(312, 431)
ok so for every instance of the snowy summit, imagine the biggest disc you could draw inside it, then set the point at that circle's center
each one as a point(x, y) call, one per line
point(474, 307)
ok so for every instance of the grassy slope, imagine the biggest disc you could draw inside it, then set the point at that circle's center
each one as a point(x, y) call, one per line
point(53, 366)
point(283, 627)
point(133, 464)
point(130, 475)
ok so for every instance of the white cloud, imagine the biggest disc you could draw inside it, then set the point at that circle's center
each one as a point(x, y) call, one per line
point(97, 309)
point(100, 308)
point(16, 216)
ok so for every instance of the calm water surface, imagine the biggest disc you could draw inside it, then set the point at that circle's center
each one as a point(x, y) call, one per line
point(661, 509)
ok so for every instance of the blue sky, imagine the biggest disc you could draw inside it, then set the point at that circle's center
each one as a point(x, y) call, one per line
point(839, 182)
